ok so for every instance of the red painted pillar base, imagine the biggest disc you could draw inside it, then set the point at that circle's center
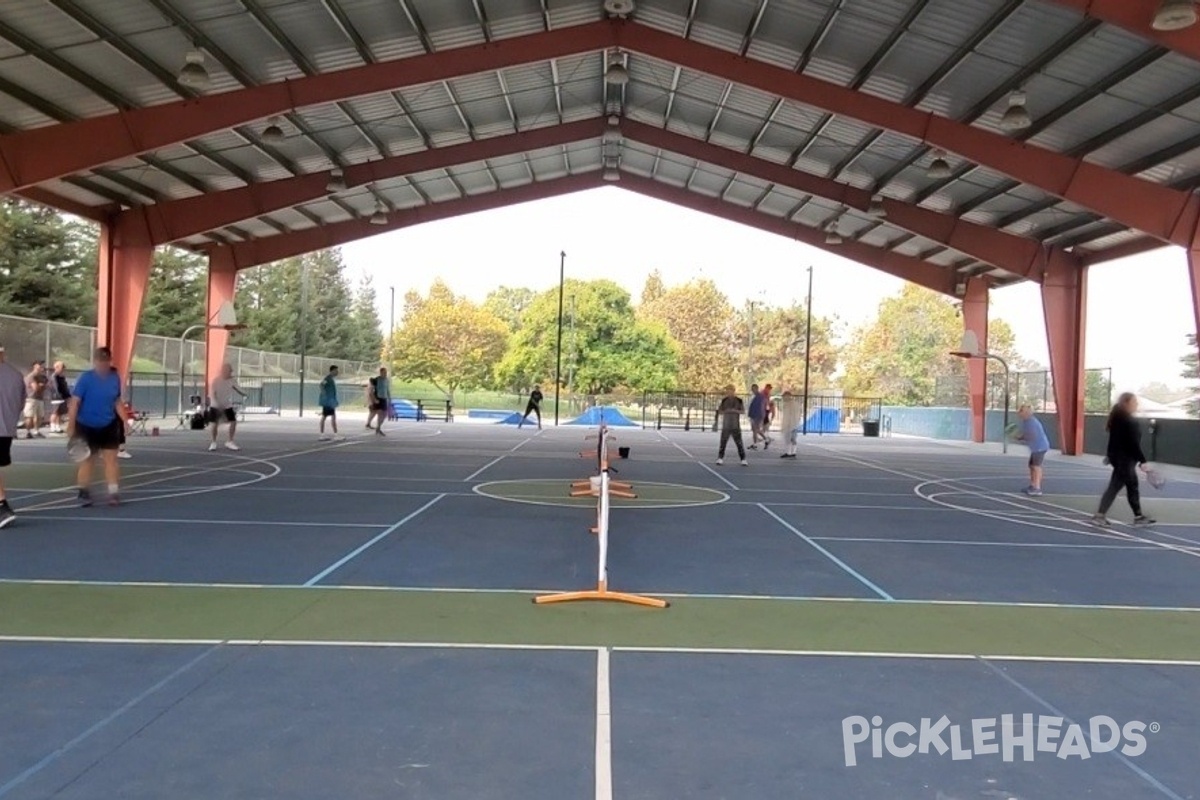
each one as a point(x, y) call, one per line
point(1064, 302)
point(975, 320)
point(222, 283)
point(122, 276)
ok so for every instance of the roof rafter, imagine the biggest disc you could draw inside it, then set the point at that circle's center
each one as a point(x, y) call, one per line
point(1135, 17)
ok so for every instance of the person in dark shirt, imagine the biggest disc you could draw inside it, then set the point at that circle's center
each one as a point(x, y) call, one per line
point(729, 415)
point(534, 406)
point(1124, 455)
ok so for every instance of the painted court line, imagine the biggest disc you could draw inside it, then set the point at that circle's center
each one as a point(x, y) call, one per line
point(99, 726)
point(604, 783)
point(209, 521)
point(719, 476)
point(1125, 760)
point(484, 468)
point(844, 566)
point(355, 553)
point(885, 540)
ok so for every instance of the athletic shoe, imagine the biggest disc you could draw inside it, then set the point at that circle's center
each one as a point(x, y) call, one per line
point(745, 463)
point(212, 448)
point(720, 461)
point(323, 438)
point(1142, 519)
point(7, 515)
point(40, 435)
point(1100, 520)
point(752, 447)
point(379, 432)
point(231, 446)
point(124, 454)
point(114, 500)
point(339, 438)
point(788, 455)
point(766, 444)
point(1035, 492)
point(85, 498)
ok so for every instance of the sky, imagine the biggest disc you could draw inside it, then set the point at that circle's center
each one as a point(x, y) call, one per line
point(1139, 309)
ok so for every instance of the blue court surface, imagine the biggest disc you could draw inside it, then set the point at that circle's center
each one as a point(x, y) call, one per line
point(312, 619)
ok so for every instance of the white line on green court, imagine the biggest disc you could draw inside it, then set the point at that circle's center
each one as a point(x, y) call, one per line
point(885, 540)
point(604, 782)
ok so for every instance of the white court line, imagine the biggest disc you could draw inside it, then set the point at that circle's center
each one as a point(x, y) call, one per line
point(604, 782)
point(314, 580)
point(665, 649)
point(484, 468)
point(884, 540)
point(719, 476)
point(844, 566)
point(90, 518)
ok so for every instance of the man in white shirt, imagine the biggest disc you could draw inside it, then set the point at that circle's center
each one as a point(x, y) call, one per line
point(222, 400)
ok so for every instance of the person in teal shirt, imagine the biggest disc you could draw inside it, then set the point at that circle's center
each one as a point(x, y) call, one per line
point(328, 400)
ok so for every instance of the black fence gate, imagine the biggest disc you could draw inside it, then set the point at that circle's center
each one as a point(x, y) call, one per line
point(827, 414)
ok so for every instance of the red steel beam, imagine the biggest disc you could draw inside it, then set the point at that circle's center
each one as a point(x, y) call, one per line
point(178, 219)
point(1017, 254)
point(1131, 248)
point(42, 197)
point(911, 269)
point(1161, 212)
point(31, 157)
point(243, 255)
point(1135, 16)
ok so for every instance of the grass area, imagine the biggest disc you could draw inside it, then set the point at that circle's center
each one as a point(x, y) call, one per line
point(278, 614)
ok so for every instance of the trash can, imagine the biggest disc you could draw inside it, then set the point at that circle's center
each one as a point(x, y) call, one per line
point(871, 428)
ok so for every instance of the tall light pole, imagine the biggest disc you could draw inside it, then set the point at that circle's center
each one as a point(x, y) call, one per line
point(562, 271)
point(303, 327)
point(807, 348)
point(750, 341)
point(574, 353)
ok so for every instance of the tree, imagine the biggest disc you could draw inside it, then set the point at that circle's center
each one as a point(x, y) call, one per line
point(448, 341)
point(1191, 371)
point(509, 304)
point(699, 317)
point(1097, 392)
point(367, 341)
point(615, 349)
point(779, 342)
point(176, 295)
point(47, 265)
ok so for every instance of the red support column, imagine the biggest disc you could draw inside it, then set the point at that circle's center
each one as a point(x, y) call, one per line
point(122, 275)
point(1194, 273)
point(1064, 301)
point(975, 320)
point(222, 282)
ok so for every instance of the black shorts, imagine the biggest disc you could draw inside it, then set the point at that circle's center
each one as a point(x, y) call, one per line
point(533, 409)
point(1036, 458)
point(105, 438)
point(5, 451)
point(216, 415)
point(328, 411)
point(380, 405)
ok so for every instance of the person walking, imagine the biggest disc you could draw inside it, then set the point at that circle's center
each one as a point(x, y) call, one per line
point(1033, 435)
point(756, 414)
point(1124, 455)
point(534, 406)
point(790, 412)
point(60, 393)
point(768, 415)
point(224, 395)
point(379, 394)
point(98, 417)
point(327, 399)
point(729, 415)
point(35, 400)
point(12, 406)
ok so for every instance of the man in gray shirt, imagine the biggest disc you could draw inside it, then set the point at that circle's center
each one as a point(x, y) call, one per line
point(12, 403)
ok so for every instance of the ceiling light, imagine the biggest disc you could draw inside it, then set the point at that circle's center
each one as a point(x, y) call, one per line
point(612, 174)
point(614, 120)
point(939, 168)
point(617, 75)
point(611, 136)
point(273, 133)
point(1016, 117)
point(832, 237)
point(618, 8)
point(337, 182)
point(380, 216)
point(193, 75)
point(1174, 15)
point(876, 208)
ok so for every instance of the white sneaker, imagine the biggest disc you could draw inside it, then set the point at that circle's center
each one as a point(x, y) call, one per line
point(124, 454)
point(212, 447)
point(745, 463)
point(720, 461)
point(339, 438)
point(231, 446)
point(323, 438)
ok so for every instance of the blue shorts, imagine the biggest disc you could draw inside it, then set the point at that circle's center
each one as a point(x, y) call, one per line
point(1036, 458)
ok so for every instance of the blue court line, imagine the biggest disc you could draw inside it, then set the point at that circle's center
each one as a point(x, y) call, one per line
point(1035, 697)
point(355, 553)
point(858, 576)
point(101, 725)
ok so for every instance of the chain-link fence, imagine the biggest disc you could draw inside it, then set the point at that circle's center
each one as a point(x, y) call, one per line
point(29, 340)
point(1033, 387)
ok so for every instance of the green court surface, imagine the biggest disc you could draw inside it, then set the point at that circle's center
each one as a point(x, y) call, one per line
point(281, 614)
point(1167, 510)
point(649, 494)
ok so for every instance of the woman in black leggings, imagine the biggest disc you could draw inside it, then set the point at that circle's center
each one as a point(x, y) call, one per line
point(1126, 458)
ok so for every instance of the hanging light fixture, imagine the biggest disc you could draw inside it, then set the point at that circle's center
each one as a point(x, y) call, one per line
point(832, 237)
point(1016, 116)
point(618, 8)
point(612, 172)
point(939, 168)
point(380, 216)
point(1174, 15)
point(876, 208)
point(273, 133)
point(337, 181)
point(617, 75)
point(193, 75)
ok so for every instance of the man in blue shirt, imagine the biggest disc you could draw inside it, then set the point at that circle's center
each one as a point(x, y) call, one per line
point(1034, 436)
point(757, 414)
point(98, 417)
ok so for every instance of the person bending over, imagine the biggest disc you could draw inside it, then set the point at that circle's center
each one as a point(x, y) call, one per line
point(534, 406)
point(1124, 455)
point(1033, 435)
point(729, 416)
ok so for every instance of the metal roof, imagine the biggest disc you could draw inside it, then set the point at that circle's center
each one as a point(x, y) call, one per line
point(1096, 91)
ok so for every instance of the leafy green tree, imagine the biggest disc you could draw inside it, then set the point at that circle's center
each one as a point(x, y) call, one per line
point(779, 342)
point(654, 288)
point(448, 341)
point(1191, 371)
point(1097, 392)
point(615, 350)
point(176, 293)
point(367, 339)
point(47, 265)
point(699, 317)
point(509, 304)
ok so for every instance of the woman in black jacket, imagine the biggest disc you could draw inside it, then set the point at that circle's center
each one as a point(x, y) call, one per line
point(1126, 458)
